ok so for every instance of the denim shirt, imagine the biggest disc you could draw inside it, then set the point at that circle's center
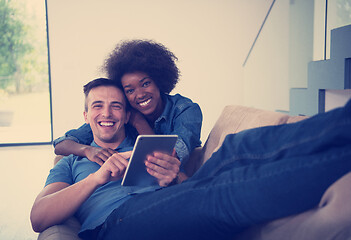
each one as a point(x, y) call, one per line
point(181, 117)
point(105, 199)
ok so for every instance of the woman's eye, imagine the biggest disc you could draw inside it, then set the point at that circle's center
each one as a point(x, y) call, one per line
point(145, 84)
point(129, 91)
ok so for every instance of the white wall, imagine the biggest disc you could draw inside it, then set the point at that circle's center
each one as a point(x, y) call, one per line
point(266, 72)
point(210, 37)
point(336, 98)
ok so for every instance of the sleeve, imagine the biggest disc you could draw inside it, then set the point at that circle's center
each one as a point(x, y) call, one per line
point(82, 135)
point(62, 172)
point(187, 125)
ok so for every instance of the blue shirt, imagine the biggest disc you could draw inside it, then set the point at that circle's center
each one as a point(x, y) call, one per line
point(94, 211)
point(181, 117)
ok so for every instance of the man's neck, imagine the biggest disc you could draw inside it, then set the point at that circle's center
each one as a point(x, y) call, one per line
point(113, 144)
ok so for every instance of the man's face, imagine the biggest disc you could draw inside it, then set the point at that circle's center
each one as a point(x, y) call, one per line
point(106, 114)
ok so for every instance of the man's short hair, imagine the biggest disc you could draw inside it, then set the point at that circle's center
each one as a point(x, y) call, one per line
point(102, 82)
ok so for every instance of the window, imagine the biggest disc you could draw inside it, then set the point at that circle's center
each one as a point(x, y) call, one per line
point(339, 15)
point(25, 113)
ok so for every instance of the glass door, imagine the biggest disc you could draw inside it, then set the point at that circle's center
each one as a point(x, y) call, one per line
point(25, 101)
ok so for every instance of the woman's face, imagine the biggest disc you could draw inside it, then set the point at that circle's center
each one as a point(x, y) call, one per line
point(143, 94)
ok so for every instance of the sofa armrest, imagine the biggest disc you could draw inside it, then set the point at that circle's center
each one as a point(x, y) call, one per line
point(67, 230)
point(235, 118)
point(194, 162)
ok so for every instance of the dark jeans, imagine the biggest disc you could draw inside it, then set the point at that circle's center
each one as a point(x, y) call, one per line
point(257, 175)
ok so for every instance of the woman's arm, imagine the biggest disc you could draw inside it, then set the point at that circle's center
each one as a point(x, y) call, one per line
point(94, 154)
point(139, 122)
point(187, 122)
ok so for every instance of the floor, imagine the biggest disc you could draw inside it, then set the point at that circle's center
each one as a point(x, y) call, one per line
point(23, 173)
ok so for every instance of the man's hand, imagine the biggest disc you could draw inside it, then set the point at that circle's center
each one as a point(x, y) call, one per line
point(113, 169)
point(164, 167)
point(98, 155)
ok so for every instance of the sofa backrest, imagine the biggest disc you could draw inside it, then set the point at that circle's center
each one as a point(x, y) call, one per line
point(236, 118)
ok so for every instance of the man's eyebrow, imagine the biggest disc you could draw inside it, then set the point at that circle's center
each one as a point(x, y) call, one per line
point(100, 101)
point(97, 101)
point(117, 102)
point(112, 103)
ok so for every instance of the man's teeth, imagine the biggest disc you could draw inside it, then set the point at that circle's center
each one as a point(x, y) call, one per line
point(143, 104)
point(106, 124)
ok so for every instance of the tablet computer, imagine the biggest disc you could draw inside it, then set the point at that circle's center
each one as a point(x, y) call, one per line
point(136, 174)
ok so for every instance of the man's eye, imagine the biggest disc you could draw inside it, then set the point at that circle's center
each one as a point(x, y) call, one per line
point(97, 106)
point(116, 107)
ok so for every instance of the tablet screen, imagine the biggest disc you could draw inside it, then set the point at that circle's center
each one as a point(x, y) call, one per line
point(136, 174)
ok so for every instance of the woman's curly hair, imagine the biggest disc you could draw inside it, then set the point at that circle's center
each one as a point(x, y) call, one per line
point(146, 56)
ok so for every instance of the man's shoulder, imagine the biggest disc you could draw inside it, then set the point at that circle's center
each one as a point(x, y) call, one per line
point(69, 160)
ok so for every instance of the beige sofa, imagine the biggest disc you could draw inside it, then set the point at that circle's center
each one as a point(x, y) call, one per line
point(331, 219)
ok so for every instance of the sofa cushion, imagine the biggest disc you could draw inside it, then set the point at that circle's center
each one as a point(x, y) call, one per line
point(331, 219)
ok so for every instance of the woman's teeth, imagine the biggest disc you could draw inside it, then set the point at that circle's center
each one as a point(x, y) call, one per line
point(143, 104)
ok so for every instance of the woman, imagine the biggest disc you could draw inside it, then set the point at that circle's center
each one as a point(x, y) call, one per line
point(147, 72)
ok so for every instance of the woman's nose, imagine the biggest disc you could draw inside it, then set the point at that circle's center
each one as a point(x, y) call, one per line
point(140, 93)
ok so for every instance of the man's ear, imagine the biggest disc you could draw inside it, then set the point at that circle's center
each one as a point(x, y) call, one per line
point(127, 117)
point(86, 117)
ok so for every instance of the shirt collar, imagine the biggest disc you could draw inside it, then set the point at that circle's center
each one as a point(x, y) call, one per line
point(168, 108)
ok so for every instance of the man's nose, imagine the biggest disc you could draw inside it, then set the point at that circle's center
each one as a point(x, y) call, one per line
point(106, 112)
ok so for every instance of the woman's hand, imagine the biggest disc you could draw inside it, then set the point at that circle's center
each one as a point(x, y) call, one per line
point(164, 167)
point(139, 122)
point(136, 118)
point(98, 155)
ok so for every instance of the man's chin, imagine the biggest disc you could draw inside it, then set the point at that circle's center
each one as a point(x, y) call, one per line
point(108, 138)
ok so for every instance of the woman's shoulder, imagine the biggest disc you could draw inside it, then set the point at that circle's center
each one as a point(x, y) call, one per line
point(179, 99)
point(181, 103)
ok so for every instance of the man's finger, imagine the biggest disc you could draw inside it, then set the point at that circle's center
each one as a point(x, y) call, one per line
point(98, 161)
point(126, 155)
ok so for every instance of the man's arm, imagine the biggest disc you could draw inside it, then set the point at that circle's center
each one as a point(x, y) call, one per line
point(94, 154)
point(59, 201)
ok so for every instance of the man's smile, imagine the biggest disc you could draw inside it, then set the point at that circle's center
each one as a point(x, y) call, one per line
point(106, 123)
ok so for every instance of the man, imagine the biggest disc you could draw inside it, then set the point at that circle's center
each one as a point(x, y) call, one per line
point(77, 186)
point(256, 175)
